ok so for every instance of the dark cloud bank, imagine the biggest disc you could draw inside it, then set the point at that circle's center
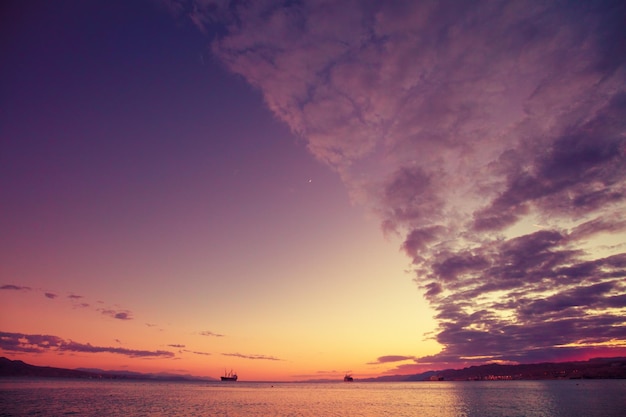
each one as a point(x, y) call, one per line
point(11, 287)
point(31, 343)
point(490, 135)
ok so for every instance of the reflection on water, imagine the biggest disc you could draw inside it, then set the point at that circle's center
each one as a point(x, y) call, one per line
point(537, 398)
point(22, 397)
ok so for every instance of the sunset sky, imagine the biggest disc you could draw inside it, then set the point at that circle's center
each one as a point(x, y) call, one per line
point(299, 189)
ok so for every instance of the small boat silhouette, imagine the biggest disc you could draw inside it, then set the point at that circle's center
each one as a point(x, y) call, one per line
point(229, 376)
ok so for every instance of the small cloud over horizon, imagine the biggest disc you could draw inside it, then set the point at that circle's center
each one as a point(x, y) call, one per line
point(390, 359)
point(253, 357)
point(118, 315)
point(198, 353)
point(210, 333)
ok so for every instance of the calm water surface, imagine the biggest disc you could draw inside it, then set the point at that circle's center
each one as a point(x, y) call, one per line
point(45, 397)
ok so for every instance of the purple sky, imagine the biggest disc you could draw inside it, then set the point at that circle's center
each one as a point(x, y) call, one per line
point(174, 139)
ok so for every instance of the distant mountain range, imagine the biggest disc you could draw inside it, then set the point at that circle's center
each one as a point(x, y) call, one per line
point(17, 368)
point(599, 368)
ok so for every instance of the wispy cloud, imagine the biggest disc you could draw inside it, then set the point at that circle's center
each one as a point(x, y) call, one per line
point(460, 124)
point(77, 301)
point(19, 342)
point(119, 315)
point(322, 375)
point(253, 357)
point(12, 287)
point(198, 353)
point(211, 334)
point(391, 358)
point(333, 372)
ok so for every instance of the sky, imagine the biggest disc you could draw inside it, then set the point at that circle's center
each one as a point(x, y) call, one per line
point(300, 189)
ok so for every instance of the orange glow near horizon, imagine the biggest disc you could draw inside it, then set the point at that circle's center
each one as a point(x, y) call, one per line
point(287, 334)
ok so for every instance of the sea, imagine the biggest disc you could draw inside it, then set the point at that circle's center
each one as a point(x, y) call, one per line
point(67, 397)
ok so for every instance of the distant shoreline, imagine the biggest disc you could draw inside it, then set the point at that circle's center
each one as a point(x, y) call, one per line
point(20, 369)
point(597, 368)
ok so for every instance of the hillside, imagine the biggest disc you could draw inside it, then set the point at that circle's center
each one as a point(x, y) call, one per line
point(17, 368)
point(599, 368)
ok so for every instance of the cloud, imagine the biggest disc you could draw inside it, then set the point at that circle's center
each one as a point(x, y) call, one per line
point(182, 349)
point(460, 126)
point(578, 174)
point(77, 301)
point(527, 296)
point(15, 287)
point(253, 357)
point(202, 13)
point(198, 353)
point(391, 358)
point(19, 342)
point(119, 315)
point(209, 333)
point(333, 372)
